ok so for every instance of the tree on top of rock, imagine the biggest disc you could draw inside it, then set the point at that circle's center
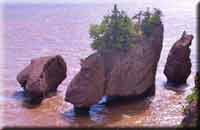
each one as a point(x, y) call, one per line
point(150, 20)
point(114, 32)
point(118, 31)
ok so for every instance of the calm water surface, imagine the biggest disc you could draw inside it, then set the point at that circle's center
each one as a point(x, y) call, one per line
point(37, 30)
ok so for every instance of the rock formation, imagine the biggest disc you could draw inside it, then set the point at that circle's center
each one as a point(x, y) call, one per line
point(42, 76)
point(178, 66)
point(117, 73)
point(135, 72)
point(191, 112)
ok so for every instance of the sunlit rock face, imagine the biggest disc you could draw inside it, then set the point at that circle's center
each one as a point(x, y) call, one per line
point(178, 66)
point(87, 87)
point(117, 73)
point(42, 75)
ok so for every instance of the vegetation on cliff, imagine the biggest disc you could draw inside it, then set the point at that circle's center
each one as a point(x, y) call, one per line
point(195, 91)
point(193, 96)
point(150, 20)
point(118, 30)
point(191, 111)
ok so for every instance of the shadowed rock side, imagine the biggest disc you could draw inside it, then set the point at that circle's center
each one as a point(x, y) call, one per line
point(191, 112)
point(178, 66)
point(117, 73)
point(42, 75)
point(135, 72)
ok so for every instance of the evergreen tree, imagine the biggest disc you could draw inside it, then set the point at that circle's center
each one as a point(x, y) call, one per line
point(114, 32)
point(150, 20)
point(118, 31)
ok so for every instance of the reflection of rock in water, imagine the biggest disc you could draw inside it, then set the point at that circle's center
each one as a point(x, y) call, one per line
point(177, 88)
point(25, 99)
point(19, 95)
point(105, 113)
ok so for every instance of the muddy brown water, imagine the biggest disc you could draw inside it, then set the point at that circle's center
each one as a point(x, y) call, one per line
point(35, 30)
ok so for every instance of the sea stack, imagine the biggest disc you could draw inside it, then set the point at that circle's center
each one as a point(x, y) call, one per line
point(42, 76)
point(178, 66)
point(117, 73)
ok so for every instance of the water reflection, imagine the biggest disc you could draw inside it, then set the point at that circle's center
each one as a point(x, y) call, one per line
point(180, 89)
point(30, 102)
point(25, 100)
point(19, 95)
point(107, 111)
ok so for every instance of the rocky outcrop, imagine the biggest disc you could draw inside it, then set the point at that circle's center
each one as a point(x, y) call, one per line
point(42, 76)
point(178, 66)
point(87, 87)
point(191, 112)
point(117, 73)
point(134, 74)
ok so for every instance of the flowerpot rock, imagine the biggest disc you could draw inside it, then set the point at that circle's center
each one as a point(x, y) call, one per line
point(117, 73)
point(178, 65)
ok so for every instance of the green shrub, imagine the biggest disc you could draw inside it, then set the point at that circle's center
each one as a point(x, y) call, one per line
point(193, 96)
point(118, 31)
point(195, 91)
point(114, 32)
point(150, 20)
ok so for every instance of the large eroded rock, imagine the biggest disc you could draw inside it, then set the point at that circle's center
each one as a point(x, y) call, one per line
point(117, 73)
point(178, 66)
point(42, 75)
point(87, 87)
point(134, 74)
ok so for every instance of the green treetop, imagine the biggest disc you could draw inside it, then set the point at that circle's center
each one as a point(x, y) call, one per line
point(150, 20)
point(117, 31)
point(114, 32)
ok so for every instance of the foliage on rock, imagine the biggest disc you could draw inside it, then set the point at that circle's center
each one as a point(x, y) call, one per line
point(193, 96)
point(195, 91)
point(150, 21)
point(115, 31)
point(118, 31)
point(191, 111)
